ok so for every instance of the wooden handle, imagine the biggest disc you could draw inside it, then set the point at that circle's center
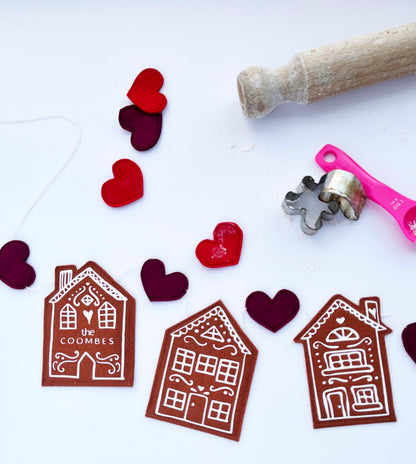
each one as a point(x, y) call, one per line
point(329, 70)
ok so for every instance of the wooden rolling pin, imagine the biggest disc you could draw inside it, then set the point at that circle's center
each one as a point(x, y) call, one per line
point(330, 70)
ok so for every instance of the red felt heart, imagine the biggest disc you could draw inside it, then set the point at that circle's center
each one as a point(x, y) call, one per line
point(127, 185)
point(409, 340)
point(160, 286)
point(14, 271)
point(144, 92)
point(225, 249)
point(272, 313)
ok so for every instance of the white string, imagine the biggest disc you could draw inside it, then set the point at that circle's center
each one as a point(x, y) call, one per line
point(59, 171)
point(393, 316)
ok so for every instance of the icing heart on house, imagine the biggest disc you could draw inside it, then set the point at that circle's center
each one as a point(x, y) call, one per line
point(144, 92)
point(14, 270)
point(127, 185)
point(272, 313)
point(160, 286)
point(225, 249)
point(145, 128)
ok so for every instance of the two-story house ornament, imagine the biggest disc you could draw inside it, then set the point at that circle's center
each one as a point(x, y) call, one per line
point(346, 364)
point(204, 374)
point(89, 327)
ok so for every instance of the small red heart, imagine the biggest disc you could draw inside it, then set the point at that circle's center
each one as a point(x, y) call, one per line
point(225, 249)
point(272, 313)
point(409, 340)
point(14, 271)
point(144, 92)
point(127, 185)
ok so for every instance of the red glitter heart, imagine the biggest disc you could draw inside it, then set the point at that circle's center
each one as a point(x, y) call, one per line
point(225, 249)
point(144, 92)
point(127, 185)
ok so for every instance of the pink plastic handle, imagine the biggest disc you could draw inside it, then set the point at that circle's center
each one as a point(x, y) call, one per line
point(331, 157)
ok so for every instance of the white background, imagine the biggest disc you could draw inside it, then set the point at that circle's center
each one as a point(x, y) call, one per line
point(78, 59)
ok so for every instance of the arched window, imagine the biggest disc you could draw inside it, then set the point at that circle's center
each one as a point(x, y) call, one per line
point(68, 318)
point(342, 334)
point(107, 316)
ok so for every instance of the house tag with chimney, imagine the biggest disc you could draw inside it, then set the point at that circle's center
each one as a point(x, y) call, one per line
point(204, 374)
point(89, 326)
point(346, 364)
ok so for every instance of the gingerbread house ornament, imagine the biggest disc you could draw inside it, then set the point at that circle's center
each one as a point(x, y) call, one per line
point(204, 374)
point(346, 364)
point(89, 326)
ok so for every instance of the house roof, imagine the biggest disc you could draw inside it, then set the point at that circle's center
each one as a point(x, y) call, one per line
point(337, 303)
point(217, 309)
point(88, 271)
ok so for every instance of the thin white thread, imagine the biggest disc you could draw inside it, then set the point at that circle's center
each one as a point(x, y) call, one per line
point(393, 316)
point(124, 273)
point(245, 313)
point(59, 171)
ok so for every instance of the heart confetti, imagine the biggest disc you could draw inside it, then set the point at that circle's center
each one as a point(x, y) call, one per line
point(160, 286)
point(127, 185)
point(144, 92)
point(272, 313)
point(14, 271)
point(145, 128)
point(224, 250)
point(409, 340)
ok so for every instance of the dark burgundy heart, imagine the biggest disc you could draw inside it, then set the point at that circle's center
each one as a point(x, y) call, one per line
point(145, 128)
point(272, 313)
point(14, 271)
point(160, 286)
point(409, 340)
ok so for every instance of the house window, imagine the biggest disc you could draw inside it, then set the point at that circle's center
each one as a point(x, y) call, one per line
point(346, 360)
point(184, 361)
point(342, 334)
point(366, 398)
point(68, 318)
point(219, 411)
point(175, 399)
point(227, 372)
point(206, 364)
point(107, 316)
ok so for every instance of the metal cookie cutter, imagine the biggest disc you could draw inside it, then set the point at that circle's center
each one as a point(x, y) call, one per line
point(346, 190)
point(291, 199)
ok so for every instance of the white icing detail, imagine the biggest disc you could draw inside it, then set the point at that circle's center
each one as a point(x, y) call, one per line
point(111, 360)
point(89, 272)
point(216, 311)
point(194, 339)
point(213, 334)
point(340, 304)
point(219, 348)
point(227, 390)
point(62, 359)
point(181, 377)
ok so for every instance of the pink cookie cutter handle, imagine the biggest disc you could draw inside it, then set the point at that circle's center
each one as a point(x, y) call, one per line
point(331, 157)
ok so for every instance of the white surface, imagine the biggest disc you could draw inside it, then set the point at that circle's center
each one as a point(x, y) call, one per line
point(78, 59)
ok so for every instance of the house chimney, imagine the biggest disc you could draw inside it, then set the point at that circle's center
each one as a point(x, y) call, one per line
point(371, 307)
point(65, 277)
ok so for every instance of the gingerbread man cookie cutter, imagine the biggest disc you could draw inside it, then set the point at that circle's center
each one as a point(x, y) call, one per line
point(291, 201)
point(338, 189)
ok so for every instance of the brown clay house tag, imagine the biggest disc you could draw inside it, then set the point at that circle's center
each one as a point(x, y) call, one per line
point(89, 326)
point(204, 374)
point(346, 364)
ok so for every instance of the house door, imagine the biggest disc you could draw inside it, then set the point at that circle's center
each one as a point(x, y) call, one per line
point(195, 410)
point(336, 403)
